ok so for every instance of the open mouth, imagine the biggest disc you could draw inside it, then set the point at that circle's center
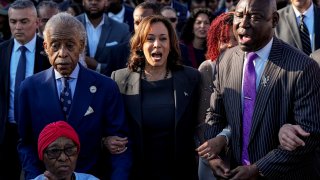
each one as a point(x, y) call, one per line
point(244, 39)
point(156, 55)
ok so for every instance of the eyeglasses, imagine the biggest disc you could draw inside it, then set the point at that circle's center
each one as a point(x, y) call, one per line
point(55, 153)
point(172, 19)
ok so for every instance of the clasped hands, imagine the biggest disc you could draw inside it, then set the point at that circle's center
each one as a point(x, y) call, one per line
point(210, 150)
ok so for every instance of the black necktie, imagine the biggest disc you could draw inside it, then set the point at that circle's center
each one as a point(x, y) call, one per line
point(65, 96)
point(304, 35)
point(20, 74)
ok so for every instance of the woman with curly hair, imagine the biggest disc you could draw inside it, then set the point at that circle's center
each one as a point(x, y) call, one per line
point(194, 35)
point(160, 98)
point(220, 37)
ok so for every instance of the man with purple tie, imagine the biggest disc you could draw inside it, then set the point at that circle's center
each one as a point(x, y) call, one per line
point(262, 84)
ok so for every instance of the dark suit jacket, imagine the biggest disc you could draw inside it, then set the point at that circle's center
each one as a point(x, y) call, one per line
point(41, 63)
point(185, 82)
point(128, 17)
point(288, 93)
point(40, 105)
point(113, 33)
point(287, 28)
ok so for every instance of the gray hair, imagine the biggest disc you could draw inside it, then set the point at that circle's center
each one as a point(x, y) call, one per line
point(68, 22)
point(22, 4)
point(49, 4)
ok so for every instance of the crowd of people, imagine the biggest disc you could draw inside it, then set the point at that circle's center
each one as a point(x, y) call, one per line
point(163, 90)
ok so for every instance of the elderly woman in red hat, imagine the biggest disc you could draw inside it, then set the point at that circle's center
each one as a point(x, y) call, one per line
point(58, 148)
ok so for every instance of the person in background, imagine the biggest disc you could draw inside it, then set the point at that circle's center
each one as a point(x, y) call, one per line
point(20, 57)
point(102, 34)
point(220, 37)
point(45, 10)
point(160, 97)
point(58, 149)
point(260, 85)
point(90, 102)
point(195, 4)
point(143, 10)
point(171, 14)
point(182, 11)
point(194, 35)
point(119, 11)
point(299, 25)
point(5, 33)
point(74, 9)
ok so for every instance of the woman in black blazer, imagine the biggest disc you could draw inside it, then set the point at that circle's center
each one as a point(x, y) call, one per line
point(160, 97)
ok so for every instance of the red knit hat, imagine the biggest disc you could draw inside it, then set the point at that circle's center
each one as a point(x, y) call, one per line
point(52, 132)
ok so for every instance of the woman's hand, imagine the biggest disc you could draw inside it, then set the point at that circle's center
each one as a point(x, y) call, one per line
point(211, 148)
point(115, 144)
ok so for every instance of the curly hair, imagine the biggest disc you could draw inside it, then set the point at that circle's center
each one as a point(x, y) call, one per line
point(218, 33)
point(187, 35)
point(137, 59)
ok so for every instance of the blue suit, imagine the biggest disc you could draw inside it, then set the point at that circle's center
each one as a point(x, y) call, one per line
point(40, 105)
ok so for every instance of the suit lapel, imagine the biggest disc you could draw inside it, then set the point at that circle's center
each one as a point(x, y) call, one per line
point(82, 96)
point(41, 61)
point(6, 67)
point(293, 28)
point(132, 90)
point(183, 90)
point(105, 32)
point(237, 70)
point(268, 79)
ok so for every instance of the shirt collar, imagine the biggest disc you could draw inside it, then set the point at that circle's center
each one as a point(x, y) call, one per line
point(31, 45)
point(308, 13)
point(264, 52)
point(89, 22)
point(119, 15)
point(73, 75)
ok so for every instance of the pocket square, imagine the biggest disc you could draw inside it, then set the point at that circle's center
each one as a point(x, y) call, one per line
point(108, 44)
point(89, 111)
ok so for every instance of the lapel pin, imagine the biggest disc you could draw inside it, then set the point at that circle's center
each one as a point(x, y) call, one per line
point(186, 94)
point(265, 80)
point(93, 89)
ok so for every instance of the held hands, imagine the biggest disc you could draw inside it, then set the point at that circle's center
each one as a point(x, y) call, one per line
point(115, 144)
point(219, 168)
point(289, 136)
point(250, 172)
point(211, 148)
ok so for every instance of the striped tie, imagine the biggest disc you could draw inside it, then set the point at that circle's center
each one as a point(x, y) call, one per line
point(304, 35)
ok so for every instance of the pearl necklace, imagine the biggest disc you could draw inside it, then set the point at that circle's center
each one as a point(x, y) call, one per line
point(144, 77)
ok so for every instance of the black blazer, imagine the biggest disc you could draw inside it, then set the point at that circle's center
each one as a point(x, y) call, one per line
point(41, 63)
point(288, 93)
point(185, 83)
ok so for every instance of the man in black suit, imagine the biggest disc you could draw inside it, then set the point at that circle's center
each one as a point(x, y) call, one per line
point(23, 24)
point(262, 84)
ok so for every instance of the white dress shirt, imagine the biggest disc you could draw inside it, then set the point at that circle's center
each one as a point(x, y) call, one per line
point(118, 17)
point(93, 35)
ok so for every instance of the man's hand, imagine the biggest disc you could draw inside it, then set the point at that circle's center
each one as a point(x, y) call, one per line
point(211, 148)
point(250, 172)
point(115, 144)
point(219, 168)
point(91, 63)
point(289, 136)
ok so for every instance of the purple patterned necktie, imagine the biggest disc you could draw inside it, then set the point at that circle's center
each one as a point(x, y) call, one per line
point(249, 97)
